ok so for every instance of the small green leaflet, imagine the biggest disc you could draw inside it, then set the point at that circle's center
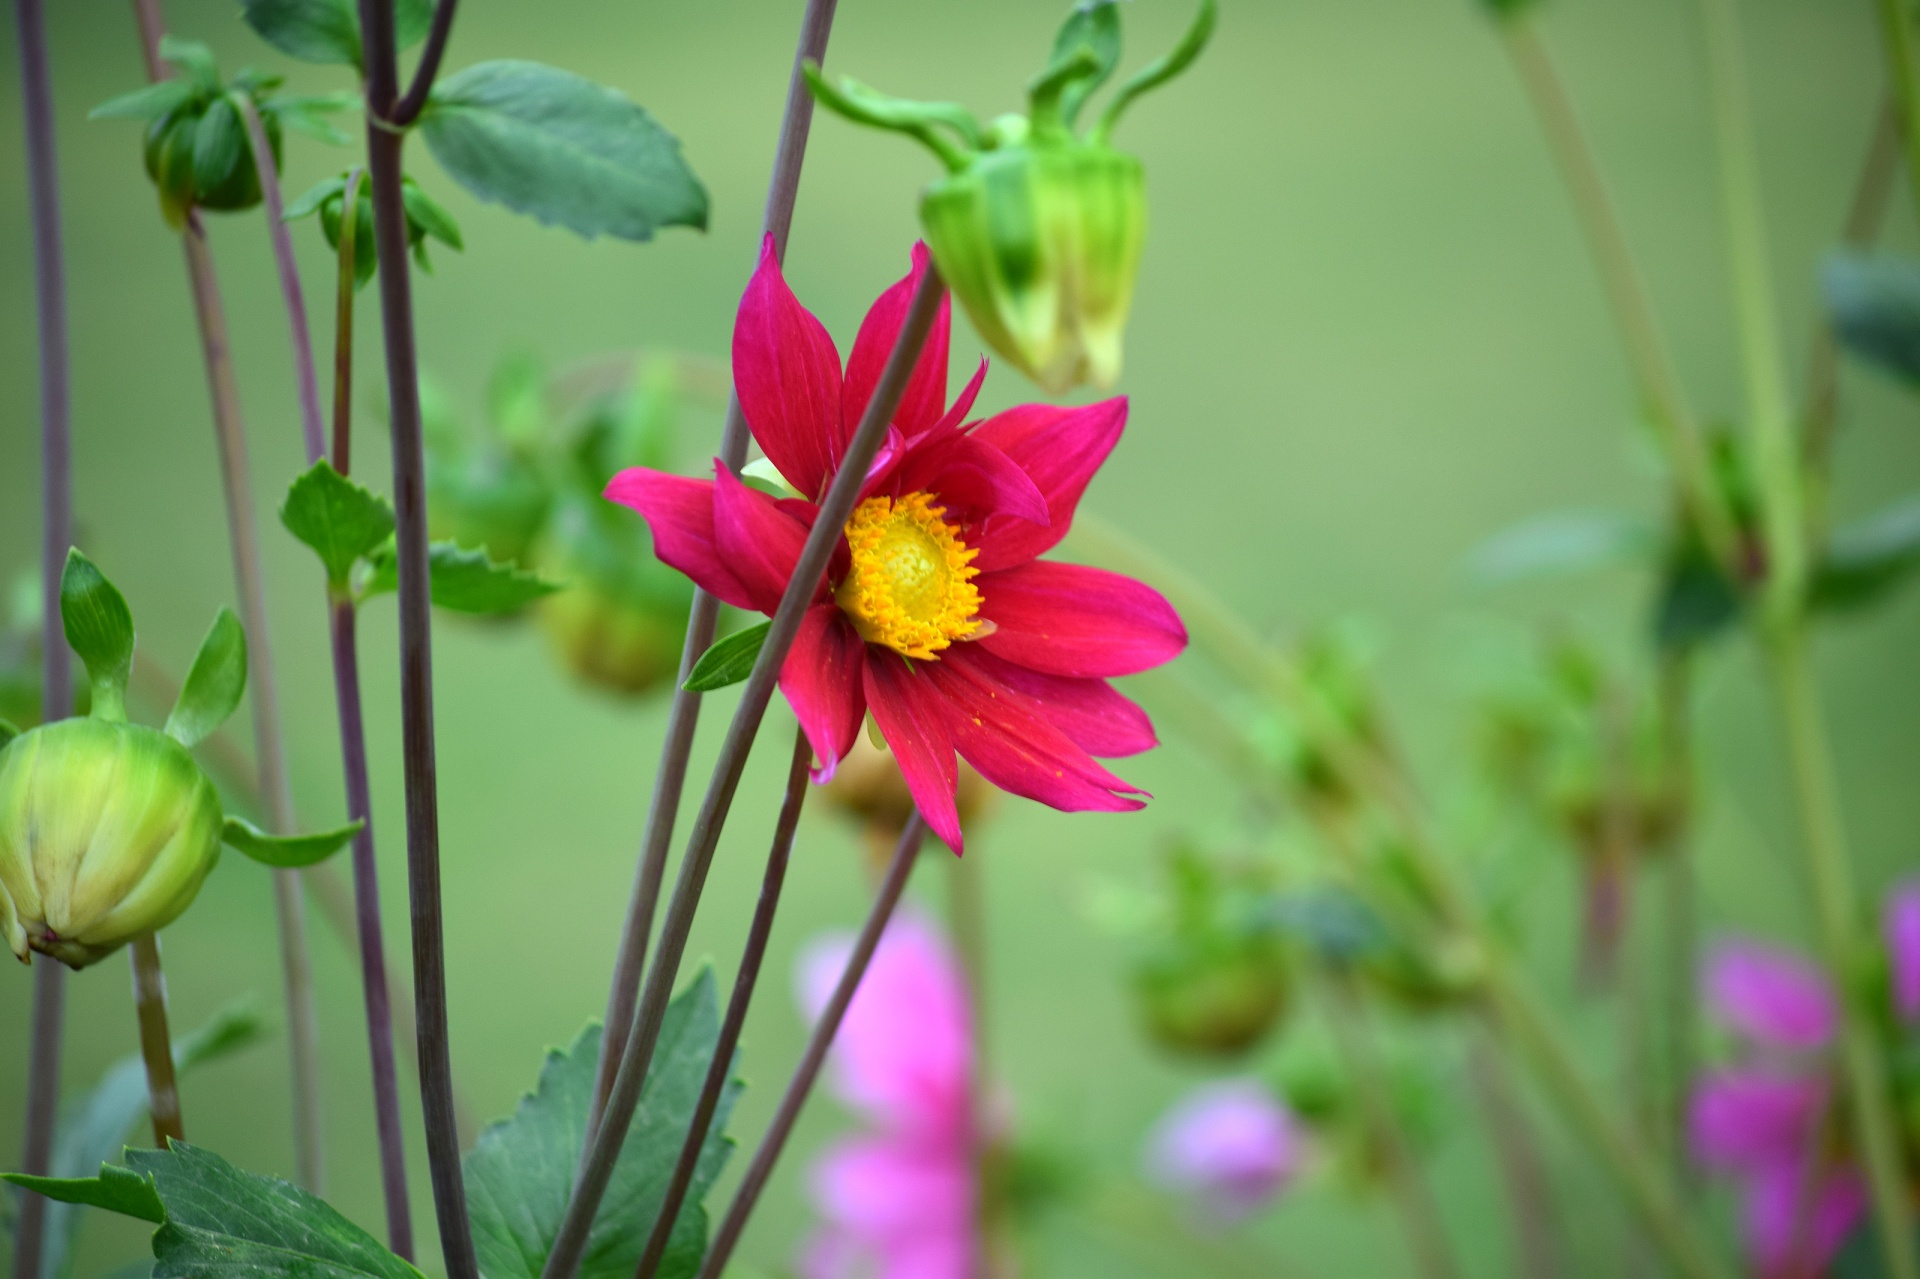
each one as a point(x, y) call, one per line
point(1866, 559)
point(464, 581)
point(729, 660)
point(99, 628)
point(339, 519)
point(116, 1189)
point(288, 852)
point(1093, 26)
point(329, 30)
point(1874, 299)
point(214, 686)
point(562, 149)
point(520, 1173)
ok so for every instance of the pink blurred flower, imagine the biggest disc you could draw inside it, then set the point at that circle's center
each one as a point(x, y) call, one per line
point(899, 1201)
point(1902, 926)
point(1774, 998)
point(1231, 1146)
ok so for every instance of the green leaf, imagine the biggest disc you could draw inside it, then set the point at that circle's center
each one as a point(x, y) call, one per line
point(561, 149)
point(214, 686)
point(308, 116)
point(1561, 543)
point(729, 660)
point(339, 519)
point(149, 103)
point(223, 1222)
point(461, 580)
point(1695, 603)
point(1157, 73)
point(520, 1173)
point(99, 628)
point(288, 852)
point(517, 398)
point(193, 57)
point(308, 203)
point(1875, 302)
point(116, 1189)
point(1093, 25)
point(1868, 558)
point(328, 30)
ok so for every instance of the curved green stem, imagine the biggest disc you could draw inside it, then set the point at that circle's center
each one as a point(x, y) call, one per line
point(1896, 30)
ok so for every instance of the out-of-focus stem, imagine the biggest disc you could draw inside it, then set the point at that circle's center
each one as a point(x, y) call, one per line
point(1540, 1242)
point(1426, 1232)
point(800, 1087)
point(670, 778)
point(156, 1045)
point(1633, 312)
point(751, 958)
point(56, 535)
point(1674, 706)
point(344, 291)
point(312, 432)
point(1896, 32)
point(416, 641)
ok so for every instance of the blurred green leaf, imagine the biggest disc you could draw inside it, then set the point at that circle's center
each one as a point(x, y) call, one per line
point(517, 399)
point(1561, 543)
point(214, 686)
point(193, 57)
point(462, 580)
point(286, 852)
point(148, 103)
point(329, 30)
point(520, 1173)
point(1874, 299)
point(99, 628)
point(340, 520)
point(1695, 602)
point(561, 149)
point(729, 660)
point(1868, 558)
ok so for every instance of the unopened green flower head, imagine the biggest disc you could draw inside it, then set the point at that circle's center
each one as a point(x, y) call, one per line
point(1038, 229)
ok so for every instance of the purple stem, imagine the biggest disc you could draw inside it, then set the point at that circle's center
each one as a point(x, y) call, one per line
point(312, 432)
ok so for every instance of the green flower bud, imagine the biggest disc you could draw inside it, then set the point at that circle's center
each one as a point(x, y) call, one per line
point(426, 219)
point(1038, 230)
point(620, 624)
point(1212, 1000)
point(106, 832)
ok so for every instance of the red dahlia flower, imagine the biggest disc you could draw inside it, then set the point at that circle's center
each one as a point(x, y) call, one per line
point(935, 615)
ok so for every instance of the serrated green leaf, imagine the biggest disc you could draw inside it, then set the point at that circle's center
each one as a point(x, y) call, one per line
point(339, 519)
point(149, 103)
point(223, 1222)
point(214, 686)
point(462, 580)
point(1561, 543)
point(1874, 299)
point(99, 628)
point(562, 150)
point(286, 852)
point(520, 1173)
point(328, 30)
point(116, 1189)
point(1868, 558)
point(729, 660)
point(1095, 27)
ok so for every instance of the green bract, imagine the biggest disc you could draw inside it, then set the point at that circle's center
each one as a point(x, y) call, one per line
point(107, 828)
point(425, 219)
point(1038, 229)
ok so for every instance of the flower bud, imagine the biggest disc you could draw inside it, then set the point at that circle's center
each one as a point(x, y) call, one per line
point(1211, 1000)
point(106, 832)
point(621, 621)
point(868, 786)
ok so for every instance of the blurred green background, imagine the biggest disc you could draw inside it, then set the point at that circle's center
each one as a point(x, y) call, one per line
point(1366, 337)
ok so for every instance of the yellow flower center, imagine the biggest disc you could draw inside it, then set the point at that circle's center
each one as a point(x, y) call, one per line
point(911, 586)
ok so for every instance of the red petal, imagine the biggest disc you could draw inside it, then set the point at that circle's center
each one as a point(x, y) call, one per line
point(1017, 750)
point(1091, 712)
point(787, 372)
point(926, 393)
point(1061, 449)
point(972, 480)
point(968, 394)
point(1068, 619)
point(679, 511)
point(822, 681)
point(913, 719)
point(758, 541)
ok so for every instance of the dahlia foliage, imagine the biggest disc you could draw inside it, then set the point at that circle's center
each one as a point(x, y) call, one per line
point(936, 615)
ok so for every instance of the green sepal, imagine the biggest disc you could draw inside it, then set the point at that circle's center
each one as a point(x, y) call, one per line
point(310, 200)
point(287, 852)
point(340, 520)
point(8, 731)
point(148, 103)
point(193, 57)
point(426, 218)
point(99, 627)
point(116, 1189)
point(219, 145)
point(1046, 92)
point(1093, 26)
point(729, 660)
point(214, 686)
point(1157, 73)
point(466, 581)
point(304, 115)
point(866, 106)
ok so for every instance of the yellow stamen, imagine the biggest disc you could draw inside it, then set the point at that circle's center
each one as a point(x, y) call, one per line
point(911, 585)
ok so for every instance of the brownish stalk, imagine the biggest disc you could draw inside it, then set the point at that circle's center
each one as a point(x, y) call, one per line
point(905, 854)
point(1539, 1241)
point(56, 535)
point(809, 570)
point(1681, 917)
point(670, 778)
point(303, 1018)
point(156, 1045)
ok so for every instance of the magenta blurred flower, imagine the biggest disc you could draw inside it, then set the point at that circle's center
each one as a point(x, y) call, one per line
point(899, 1201)
point(1902, 925)
point(1230, 1146)
point(937, 616)
point(1774, 998)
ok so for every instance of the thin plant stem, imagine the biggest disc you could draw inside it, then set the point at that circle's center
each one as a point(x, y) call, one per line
point(344, 292)
point(1539, 1239)
point(312, 431)
point(384, 146)
point(809, 569)
point(156, 1045)
point(751, 957)
point(1659, 385)
point(683, 719)
point(56, 535)
point(1412, 1196)
point(905, 854)
point(1673, 702)
point(1896, 33)
point(408, 109)
point(1783, 627)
